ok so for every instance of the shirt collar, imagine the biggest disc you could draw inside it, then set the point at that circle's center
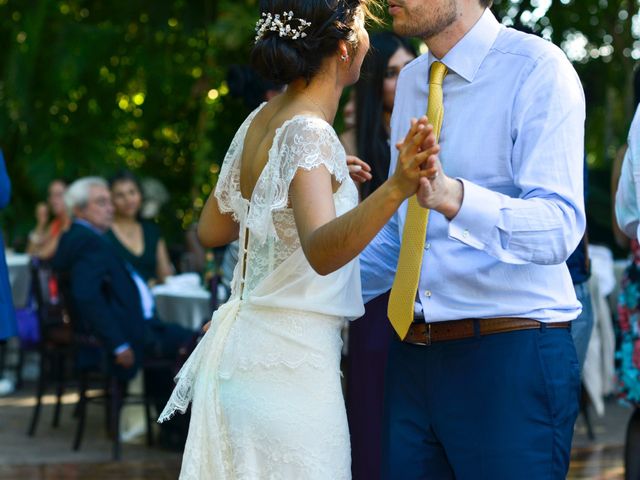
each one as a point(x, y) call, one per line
point(467, 55)
point(90, 226)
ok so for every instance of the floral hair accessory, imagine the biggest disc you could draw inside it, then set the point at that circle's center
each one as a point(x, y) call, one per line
point(282, 25)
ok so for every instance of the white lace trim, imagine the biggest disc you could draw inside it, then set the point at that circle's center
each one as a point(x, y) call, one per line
point(301, 142)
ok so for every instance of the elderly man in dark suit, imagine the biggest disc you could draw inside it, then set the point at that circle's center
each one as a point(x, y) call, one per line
point(110, 298)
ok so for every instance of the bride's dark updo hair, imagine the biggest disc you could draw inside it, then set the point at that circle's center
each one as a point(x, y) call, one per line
point(284, 59)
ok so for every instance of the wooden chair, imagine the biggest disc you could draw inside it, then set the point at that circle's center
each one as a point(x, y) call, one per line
point(55, 347)
point(114, 391)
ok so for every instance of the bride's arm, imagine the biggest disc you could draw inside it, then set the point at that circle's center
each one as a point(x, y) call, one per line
point(329, 242)
point(215, 228)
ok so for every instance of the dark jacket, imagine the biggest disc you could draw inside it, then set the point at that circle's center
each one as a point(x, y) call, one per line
point(103, 294)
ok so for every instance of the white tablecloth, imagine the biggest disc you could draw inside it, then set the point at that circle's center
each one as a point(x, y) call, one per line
point(191, 309)
point(599, 371)
point(19, 277)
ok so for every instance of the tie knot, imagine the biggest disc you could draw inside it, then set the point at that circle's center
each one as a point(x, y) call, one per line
point(438, 72)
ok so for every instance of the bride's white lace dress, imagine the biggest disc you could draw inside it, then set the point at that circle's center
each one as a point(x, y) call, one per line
point(264, 381)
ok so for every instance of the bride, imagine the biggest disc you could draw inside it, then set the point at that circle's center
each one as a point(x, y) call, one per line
point(264, 382)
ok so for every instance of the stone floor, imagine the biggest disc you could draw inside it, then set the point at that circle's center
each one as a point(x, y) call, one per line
point(602, 458)
point(48, 455)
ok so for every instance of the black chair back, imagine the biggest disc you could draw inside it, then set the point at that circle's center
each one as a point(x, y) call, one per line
point(52, 316)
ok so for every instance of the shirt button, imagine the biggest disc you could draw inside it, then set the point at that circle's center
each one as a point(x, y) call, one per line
point(427, 246)
point(427, 293)
point(465, 234)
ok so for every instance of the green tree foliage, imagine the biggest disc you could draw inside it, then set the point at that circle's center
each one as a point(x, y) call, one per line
point(89, 87)
point(92, 86)
point(601, 37)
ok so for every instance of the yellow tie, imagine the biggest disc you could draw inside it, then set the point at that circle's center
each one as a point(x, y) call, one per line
point(405, 284)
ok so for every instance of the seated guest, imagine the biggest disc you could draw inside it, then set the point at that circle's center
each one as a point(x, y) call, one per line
point(46, 246)
point(137, 242)
point(108, 295)
point(40, 234)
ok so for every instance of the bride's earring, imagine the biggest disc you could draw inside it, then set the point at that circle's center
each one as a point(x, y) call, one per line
point(344, 58)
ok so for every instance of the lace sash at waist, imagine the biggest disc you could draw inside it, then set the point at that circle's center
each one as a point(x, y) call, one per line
point(206, 357)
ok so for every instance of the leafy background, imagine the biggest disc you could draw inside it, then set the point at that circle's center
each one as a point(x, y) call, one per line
point(89, 87)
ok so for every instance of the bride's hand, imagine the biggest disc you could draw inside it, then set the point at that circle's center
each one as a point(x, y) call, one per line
point(206, 326)
point(418, 145)
point(359, 170)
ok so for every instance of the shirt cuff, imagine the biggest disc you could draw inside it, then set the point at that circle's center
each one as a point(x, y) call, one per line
point(121, 349)
point(477, 218)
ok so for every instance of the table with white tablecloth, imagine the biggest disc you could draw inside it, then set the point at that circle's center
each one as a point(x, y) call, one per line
point(189, 307)
point(19, 277)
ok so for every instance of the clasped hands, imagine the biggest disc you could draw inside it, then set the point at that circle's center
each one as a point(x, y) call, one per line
point(419, 171)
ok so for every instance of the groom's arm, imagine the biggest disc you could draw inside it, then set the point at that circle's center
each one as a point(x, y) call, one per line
point(379, 260)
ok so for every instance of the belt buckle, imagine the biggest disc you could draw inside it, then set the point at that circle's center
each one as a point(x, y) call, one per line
point(427, 336)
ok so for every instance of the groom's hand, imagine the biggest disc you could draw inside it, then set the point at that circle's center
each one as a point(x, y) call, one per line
point(439, 192)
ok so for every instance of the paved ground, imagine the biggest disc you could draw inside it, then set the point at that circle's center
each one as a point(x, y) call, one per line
point(600, 459)
point(48, 455)
point(52, 446)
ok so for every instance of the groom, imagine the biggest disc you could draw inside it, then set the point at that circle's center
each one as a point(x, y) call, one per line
point(483, 379)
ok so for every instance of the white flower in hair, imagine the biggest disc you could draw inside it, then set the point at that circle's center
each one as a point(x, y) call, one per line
point(282, 25)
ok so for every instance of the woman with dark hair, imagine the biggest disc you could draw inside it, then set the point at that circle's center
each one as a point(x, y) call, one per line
point(46, 244)
point(138, 242)
point(264, 381)
point(369, 336)
point(373, 104)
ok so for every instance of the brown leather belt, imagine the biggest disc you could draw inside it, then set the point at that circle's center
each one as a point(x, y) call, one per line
point(421, 333)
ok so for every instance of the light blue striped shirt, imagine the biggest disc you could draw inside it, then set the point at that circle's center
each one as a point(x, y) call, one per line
point(513, 133)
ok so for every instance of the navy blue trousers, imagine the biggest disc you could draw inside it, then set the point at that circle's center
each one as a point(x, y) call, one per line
point(495, 407)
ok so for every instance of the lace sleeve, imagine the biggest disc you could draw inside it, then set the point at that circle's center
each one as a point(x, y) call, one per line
point(227, 190)
point(302, 142)
point(308, 143)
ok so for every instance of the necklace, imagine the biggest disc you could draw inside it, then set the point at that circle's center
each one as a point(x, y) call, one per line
point(326, 117)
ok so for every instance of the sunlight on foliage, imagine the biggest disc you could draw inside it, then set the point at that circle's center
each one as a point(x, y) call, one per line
point(89, 87)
